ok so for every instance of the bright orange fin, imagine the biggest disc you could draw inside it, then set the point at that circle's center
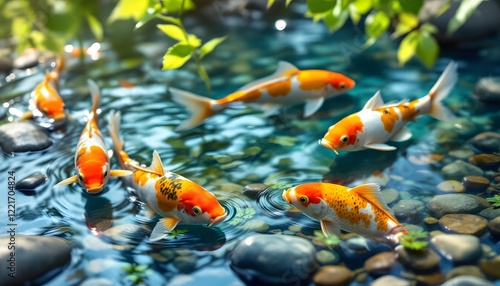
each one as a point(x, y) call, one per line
point(371, 193)
point(163, 227)
point(119, 173)
point(70, 180)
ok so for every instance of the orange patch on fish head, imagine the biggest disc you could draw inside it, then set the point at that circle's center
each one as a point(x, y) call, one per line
point(93, 176)
point(201, 206)
point(388, 117)
point(344, 134)
point(340, 83)
point(303, 195)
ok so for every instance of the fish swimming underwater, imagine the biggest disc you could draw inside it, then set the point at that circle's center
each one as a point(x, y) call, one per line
point(361, 210)
point(377, 122)
point(287, 86)
point(45, 100)
point(92, 162)
point(175, 198)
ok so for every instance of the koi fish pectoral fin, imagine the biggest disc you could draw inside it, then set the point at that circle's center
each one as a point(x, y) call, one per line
point(163, 227)
point(312, 105)
point(26, 115)
point(402, 135)
point(330, 227)
point(380, 147)
point(70, 180)
point(119, 173)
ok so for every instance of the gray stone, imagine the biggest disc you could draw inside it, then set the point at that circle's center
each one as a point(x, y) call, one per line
point(34, 257)
point(494, 226)
point(391, 280)
point(464, 224)
point(254, 190)
point(185, 264)
point(454, 204)
point(390, 195)
point(460, 248)
point(6, 64)
point(490, 213)
point(488, 89)
point(274, 259)
point(486, 142)
point(31, 182)
point(423, 261)
point(468, 270)
point(467, 281)
point(409, 210)
point(459, 169)
point(23, 137)
point(333, 275)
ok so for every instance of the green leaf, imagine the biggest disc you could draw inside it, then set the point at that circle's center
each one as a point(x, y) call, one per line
point(427, 49)
point(411, 6)
point(141, 268)
point(209, 46)
point(376, 24)
point(177, 55)
point(95, 26)
point(150, 14)
point(335, 22)
point(126, 9)
point(269, 3)
point(47, 41)
point(64, 23)
point(354, 14)
point(172, 20)
point(203, 74)
point(320, 6)
point(173, 31)
point(362, 6)
point(406, 23)
point(463, 13)
point(173, 6)
point(194, 41)
point(288, 3)
point(408, 47)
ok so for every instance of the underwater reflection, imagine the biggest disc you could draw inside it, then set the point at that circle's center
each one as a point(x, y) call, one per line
point(194, 237)
point(98, 214)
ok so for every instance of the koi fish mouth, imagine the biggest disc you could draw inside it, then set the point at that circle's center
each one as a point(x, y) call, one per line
point(218, 219)
point(286, 196)
point(94, 190)
point(327, 144)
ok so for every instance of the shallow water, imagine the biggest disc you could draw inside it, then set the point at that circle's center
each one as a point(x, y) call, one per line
point(234, 148)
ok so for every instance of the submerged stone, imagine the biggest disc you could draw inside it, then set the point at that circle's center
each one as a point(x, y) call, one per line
point(274, 259)
point(459, 169)
point(381, 263)
point(253, 190)
point(466, 280)
point(469, 270)
point(454, 204)
point(34, 257)
point(460, 248)
point(464, 224)
point(487, 142)
point(488, 89)
point(494, 226)
point(485, 160)
point(23, 137)
point(451, 186)
point(423, 261)
point(476, 183)
point(391, 280)
point(31, 182)
point(333, 275)
point(491, 267)
point(409, 210)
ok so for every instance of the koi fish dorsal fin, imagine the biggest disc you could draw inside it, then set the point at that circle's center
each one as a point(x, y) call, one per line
point(284, 69)
point(94, 92)
point(371, 193)
point(156, 165)
point(374, 102)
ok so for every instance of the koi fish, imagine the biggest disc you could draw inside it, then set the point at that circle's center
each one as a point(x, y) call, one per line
point(361, 210)
point(287, 86)
point(92, 162)
point(45, 99)
point(377, 122)
point(175, 198)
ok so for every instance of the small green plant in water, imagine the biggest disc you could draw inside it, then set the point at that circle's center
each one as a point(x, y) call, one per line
point(414, 240)
point(136, 273)
point(330, 242)
point(495, 201)
point(177, 232)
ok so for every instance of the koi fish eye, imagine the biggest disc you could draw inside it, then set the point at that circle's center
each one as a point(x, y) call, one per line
point(80, 177)
point(197, 210)
point(344, 139)
point(386, 111)
point(105, 173)
point(304, 199)
point(342, 85)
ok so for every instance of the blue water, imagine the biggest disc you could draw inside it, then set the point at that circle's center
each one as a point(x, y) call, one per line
point(110, 230)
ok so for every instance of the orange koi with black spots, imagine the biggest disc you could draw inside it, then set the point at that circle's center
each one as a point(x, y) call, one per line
point(378, 123)
point(361, 210)
point(45, 99)
point(287, 86)
point(175, 198)
point(92, 162)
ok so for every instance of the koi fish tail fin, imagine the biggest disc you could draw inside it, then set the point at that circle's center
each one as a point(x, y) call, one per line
point(114, 131)
point(396, 233)
point(59, 64)
point(440, 90)
point(94, 92)
point(199, 108)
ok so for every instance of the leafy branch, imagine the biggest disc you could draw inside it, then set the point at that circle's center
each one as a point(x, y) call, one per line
point(417, 37)
point(188, 45)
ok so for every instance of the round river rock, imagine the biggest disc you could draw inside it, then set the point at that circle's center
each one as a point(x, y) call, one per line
point(454, 203)
point(23, 137)
point(464, 224)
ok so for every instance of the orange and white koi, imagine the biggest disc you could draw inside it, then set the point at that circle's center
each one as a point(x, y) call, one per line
point(287, 86)
point(361, 210)
point(175, 198)
point(92, 162)
point(45, 99)
point(377, 122)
